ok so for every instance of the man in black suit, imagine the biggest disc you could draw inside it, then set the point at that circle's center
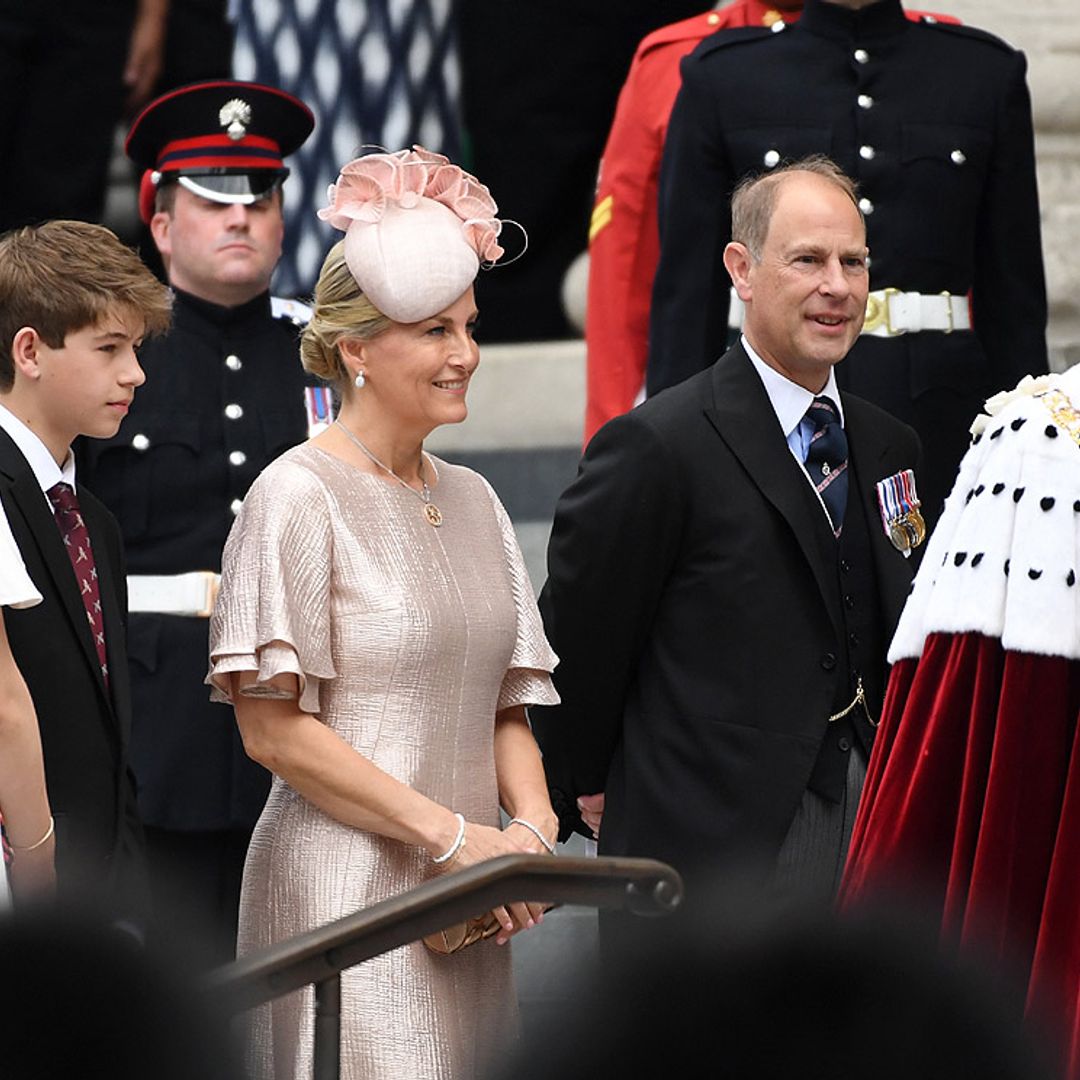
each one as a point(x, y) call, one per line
point(721, 610)
point(74, 305)
point(933, 120)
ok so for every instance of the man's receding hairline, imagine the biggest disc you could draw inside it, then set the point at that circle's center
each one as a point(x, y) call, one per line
point(778, 190)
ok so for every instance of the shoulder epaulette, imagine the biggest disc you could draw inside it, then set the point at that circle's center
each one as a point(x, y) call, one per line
point(930, 17)
point(298, 313)
point(736, 35)
point(693, 29)
point(968, 31)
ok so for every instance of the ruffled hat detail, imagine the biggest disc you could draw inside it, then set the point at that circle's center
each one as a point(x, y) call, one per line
point(417, 229)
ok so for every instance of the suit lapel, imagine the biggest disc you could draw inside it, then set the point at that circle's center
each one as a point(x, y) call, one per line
point(744, 418)
point(39, 528)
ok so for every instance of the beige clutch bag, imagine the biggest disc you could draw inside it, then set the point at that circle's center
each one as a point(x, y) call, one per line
point(459, 936)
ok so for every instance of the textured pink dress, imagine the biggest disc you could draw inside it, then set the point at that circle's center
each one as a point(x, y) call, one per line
point(406, 639)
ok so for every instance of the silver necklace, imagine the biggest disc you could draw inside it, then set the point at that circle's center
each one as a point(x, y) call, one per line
point(431, 511)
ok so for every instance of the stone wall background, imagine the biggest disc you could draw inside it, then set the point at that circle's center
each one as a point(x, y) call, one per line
point(1048, 31)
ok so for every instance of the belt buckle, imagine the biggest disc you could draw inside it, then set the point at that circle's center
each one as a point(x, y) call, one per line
point(212, 584)
point(877, 313)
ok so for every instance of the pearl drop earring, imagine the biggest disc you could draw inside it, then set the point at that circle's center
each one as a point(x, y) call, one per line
point(359, 381)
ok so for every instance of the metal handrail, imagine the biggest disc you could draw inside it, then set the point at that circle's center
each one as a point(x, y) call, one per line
point(641, 886)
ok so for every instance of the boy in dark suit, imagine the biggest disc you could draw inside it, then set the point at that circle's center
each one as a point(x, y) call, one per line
point(75, 304)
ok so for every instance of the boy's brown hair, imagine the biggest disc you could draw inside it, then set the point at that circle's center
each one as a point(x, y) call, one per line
point(65, 275)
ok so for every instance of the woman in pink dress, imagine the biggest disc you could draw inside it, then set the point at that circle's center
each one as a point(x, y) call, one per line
point(377, 634)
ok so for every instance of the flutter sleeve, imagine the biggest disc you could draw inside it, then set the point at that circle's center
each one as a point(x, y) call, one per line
point(528, 676)
point(272, 614)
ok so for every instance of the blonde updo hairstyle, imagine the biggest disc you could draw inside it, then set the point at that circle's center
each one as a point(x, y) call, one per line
point(340, 311)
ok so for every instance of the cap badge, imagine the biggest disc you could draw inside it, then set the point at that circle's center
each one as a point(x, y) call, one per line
point(900, 516)
point(235, 116)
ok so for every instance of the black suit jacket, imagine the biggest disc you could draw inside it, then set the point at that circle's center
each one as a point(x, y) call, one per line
point(84, 725)
point(935, 126)
point(693, 601)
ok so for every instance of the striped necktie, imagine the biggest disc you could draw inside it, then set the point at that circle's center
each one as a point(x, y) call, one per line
point(69, 521)
point(827, 458)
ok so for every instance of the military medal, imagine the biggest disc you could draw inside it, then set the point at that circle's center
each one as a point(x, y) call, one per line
point(900, 517)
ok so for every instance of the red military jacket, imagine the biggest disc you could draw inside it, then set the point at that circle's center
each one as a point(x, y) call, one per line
point(624, 239)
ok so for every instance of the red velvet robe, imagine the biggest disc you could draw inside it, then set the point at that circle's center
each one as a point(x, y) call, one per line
point(972, 805)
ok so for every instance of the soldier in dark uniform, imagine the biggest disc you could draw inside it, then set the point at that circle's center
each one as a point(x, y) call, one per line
point(224, 395)
point(934, 122)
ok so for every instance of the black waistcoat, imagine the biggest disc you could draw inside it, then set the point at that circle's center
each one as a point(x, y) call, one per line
point(861, 649)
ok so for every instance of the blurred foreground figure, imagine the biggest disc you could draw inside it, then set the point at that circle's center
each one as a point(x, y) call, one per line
point(972, 798)
point(781, 993)
point(80, 998)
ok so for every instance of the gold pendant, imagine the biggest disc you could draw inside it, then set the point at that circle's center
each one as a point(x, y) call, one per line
point(434, 514)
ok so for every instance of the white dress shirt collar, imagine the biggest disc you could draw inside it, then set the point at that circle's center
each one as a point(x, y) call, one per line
point(789, 400)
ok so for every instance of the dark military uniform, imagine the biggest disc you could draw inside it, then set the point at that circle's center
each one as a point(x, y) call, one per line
point(934, 122)
point(224, 395)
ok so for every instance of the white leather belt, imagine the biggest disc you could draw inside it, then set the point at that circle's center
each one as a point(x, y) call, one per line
point(890, 312)
point(174, 594)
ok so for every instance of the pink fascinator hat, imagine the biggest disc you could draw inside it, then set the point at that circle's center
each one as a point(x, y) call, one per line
point(417, 230)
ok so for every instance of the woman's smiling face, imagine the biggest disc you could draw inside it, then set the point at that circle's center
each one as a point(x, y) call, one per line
point(418, 373)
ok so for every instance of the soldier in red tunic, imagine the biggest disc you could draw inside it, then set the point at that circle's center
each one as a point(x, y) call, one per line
point(624, 243)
